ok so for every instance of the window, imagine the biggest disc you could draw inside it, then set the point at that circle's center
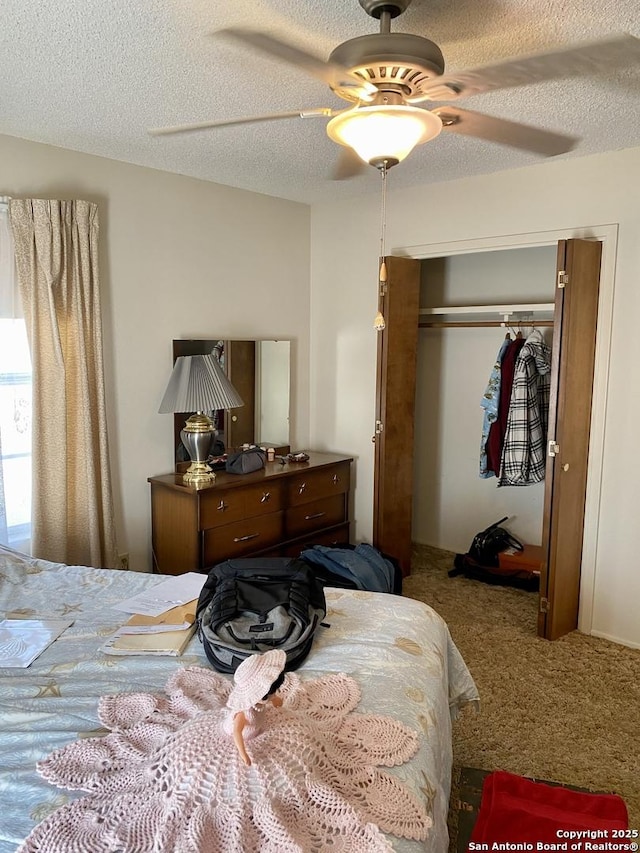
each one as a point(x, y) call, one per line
point(15, 405)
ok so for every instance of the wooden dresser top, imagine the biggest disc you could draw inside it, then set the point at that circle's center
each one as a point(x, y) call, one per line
point(272, 469)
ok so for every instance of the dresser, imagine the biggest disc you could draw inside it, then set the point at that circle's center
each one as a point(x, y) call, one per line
point(274, 512)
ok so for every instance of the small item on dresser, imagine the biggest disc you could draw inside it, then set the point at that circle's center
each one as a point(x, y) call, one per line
point(297, 457)
point(271, 454)
point(246, 461)
point(217, 463)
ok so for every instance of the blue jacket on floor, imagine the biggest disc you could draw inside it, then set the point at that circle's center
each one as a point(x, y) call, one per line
point(364, 565)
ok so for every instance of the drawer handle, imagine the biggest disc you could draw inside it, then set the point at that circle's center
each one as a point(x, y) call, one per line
point(246, 538)
point(336, 479)
point(303, 488)
point(315, 515)
point(222, 506)
point(265, 497)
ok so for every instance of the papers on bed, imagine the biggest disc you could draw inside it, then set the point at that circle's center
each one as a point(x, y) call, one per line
point(165, 595)
point(174, 619)
point(165, 634)
point(22, 640)
point(163, 619)
point(162, 643)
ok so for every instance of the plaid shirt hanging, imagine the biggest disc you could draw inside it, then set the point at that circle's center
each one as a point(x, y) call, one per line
point(524, 451)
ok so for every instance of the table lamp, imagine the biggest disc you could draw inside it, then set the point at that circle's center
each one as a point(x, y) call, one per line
point(198, 384)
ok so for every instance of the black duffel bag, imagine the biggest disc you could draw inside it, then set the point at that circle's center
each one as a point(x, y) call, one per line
point(490, 542)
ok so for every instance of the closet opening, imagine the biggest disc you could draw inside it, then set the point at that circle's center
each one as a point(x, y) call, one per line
point(472, 308)
point(410, 496)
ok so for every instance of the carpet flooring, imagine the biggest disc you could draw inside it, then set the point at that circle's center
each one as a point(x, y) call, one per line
point(567, 711)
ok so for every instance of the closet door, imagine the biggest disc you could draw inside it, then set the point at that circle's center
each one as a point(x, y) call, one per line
point(395, 409)
point(573, 360)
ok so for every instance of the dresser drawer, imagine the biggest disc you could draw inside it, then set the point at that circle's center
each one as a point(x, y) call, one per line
point(242, 537)
point(229, 505)
point(315, 515)
point(310, 485)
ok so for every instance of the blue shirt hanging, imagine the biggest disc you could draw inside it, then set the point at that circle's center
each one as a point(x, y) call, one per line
point(489, 403)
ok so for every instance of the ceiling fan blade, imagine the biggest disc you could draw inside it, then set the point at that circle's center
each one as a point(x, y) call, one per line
point(330, 73)
point(616, 52)
point(348, 165)
point(207, 125)
point(504, 132)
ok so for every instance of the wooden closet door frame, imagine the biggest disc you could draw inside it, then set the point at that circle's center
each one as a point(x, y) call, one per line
point(395, 411)
point(576, 315)
point(607, 235)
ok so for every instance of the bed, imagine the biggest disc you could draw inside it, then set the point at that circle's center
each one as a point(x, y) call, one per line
point(399, 650)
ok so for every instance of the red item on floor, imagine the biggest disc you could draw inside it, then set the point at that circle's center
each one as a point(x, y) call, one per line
point(517, 810)
point(527, 561)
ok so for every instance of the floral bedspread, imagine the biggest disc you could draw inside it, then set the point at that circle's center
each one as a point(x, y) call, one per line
point(399, 650)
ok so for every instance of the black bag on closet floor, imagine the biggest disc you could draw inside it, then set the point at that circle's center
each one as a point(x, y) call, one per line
point(482, 561)
point(464, 564)
point(490, 542)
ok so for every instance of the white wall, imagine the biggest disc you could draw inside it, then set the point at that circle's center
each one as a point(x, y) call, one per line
point(180, 258)
point(451, 502)
point(572, 194)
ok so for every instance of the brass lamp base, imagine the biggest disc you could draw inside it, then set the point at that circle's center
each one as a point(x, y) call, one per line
point(197, 435)
point(199, 473)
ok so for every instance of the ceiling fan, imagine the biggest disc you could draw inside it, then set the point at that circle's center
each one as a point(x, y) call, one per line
point(383, 75)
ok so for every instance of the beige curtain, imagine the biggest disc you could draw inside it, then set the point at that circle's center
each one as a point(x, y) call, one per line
point(56, 248)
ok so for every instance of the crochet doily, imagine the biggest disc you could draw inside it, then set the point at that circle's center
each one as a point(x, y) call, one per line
point(169, 779)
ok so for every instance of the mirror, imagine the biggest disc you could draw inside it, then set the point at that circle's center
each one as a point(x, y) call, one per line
point(260, 370)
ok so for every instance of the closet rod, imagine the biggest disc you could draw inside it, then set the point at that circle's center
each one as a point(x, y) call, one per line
point(481, 323)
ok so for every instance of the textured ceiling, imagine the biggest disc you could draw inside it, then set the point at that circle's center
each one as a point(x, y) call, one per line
point(94, 76)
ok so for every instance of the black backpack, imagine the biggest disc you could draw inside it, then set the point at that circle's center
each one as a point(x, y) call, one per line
point(252, 605)
point(490, 542)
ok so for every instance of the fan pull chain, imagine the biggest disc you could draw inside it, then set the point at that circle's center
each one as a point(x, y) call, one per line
point(379, 322)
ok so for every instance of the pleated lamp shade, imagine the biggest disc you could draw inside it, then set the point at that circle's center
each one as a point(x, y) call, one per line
point(199, 384)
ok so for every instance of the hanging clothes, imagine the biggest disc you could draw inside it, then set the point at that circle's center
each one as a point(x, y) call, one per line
point(523, 458)
point(489, 403)
point(495, 442)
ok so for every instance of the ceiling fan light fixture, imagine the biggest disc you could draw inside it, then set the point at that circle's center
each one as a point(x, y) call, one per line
point(384, 134)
